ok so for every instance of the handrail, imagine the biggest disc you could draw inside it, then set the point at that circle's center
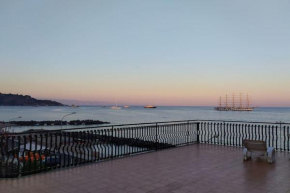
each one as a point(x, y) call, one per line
point(150, 123)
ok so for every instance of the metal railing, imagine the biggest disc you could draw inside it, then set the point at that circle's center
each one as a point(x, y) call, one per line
point(232, 133)
point(23, 154)
point(27, 153)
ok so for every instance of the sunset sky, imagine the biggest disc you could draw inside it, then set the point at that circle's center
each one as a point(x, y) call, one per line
point(163, 52)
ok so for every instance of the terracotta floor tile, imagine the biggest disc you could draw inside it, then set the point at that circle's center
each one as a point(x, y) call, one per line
point(195, 168)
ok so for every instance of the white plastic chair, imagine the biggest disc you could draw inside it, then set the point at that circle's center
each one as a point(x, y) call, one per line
point(257, 146)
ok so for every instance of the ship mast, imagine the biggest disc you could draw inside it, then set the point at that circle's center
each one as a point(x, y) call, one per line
point(226, 100)
point(248, 101)
point(233, 100)
point(241, 104)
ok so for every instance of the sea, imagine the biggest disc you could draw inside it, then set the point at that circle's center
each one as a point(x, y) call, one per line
point(138, 114)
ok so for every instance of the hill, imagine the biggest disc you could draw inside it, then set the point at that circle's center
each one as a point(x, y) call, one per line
point(83, 103)
point(24, 100)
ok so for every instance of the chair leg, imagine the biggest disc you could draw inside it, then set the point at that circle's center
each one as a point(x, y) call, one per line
point(246, 154)
point(271, 154)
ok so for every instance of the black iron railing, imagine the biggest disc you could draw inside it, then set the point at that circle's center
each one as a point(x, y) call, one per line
point(232, 133)
point(23, 154)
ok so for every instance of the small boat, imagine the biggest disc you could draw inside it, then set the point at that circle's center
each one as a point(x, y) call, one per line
point(116, 107)
point(126, 106)
point(150, 107)
point(74, 106)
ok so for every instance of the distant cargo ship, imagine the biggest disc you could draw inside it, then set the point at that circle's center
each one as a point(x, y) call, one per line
point(234, 107)
point(150, 107)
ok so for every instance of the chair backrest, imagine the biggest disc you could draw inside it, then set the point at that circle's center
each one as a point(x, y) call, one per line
point(255, 145)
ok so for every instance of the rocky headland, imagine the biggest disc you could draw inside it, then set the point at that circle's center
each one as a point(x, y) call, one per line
point(24, 100)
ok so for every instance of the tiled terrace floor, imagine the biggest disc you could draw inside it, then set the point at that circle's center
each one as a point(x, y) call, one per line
point(194, 168)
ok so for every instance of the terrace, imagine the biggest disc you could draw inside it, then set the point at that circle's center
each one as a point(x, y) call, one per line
point(193, 168)
point(207, 158)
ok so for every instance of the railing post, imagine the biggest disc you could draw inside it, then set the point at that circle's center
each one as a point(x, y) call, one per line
point(187, 133)
point(156, 137)
point(197, 132)
point(112, 144)
point(280, 131)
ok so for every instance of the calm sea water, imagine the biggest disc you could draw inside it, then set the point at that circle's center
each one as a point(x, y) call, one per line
point(140, 114)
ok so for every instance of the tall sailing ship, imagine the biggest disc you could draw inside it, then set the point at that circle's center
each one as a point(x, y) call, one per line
point(242, 105)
